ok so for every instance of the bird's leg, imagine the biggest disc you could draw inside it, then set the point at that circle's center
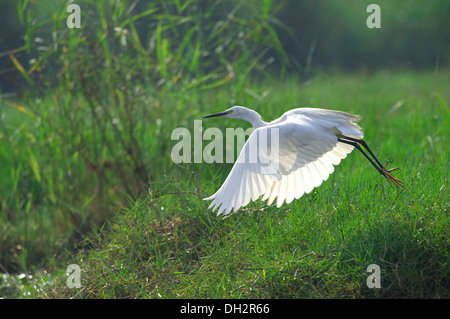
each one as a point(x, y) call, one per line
point(363, 143)
point(391, 178)
point(380, 168)
point(356, 145)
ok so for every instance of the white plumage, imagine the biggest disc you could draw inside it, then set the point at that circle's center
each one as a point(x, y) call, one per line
point(287, 157)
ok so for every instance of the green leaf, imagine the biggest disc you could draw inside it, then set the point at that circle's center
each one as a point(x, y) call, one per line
point(34, 164)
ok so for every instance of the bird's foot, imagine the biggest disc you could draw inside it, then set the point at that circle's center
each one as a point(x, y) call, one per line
point(391, 178)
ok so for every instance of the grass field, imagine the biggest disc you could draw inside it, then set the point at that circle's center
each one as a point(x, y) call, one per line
point(165, 243)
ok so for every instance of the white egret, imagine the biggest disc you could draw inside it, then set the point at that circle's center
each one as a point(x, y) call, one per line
point(310, 141)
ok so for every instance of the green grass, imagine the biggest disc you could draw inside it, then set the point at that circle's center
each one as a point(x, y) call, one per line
point(90, 125)
point(87, 178)
point(167, 244)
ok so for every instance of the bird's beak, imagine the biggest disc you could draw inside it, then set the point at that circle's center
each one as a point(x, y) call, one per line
point(217, 114)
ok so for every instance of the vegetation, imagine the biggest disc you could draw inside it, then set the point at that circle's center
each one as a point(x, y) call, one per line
point(87, 176)
point(95, 123)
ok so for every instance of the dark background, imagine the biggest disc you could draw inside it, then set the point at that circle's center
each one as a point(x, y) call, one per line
point(325, 35)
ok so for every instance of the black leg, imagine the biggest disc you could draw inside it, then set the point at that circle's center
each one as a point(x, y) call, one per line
point(380, 168)
point(356, 145)
point(363, 143)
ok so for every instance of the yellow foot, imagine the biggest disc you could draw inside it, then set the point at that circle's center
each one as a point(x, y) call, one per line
point(391, 178)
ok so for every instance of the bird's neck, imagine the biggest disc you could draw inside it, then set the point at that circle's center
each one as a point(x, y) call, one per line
point(255, 120)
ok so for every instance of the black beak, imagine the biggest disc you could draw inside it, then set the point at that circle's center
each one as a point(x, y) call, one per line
point(216, 114)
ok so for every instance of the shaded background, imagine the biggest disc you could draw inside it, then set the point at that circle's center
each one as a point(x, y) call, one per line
point(321, 35)
point(413, 34)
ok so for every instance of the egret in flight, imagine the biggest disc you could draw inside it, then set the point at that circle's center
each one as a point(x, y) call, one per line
point(309, 142)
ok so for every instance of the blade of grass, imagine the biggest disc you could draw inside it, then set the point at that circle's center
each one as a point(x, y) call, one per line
point(34, 164)
point(20, 68)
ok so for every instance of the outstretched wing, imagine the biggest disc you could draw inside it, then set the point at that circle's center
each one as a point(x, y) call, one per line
point(284, 160)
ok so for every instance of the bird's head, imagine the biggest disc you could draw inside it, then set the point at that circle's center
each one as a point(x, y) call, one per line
point(235, 112)
point(242, 113)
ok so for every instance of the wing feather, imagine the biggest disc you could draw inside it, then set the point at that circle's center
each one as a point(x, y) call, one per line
point(292, 182)
point(300, 189)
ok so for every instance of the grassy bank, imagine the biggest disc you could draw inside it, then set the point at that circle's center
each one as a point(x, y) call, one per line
point(94, 107)
point(167, 244)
